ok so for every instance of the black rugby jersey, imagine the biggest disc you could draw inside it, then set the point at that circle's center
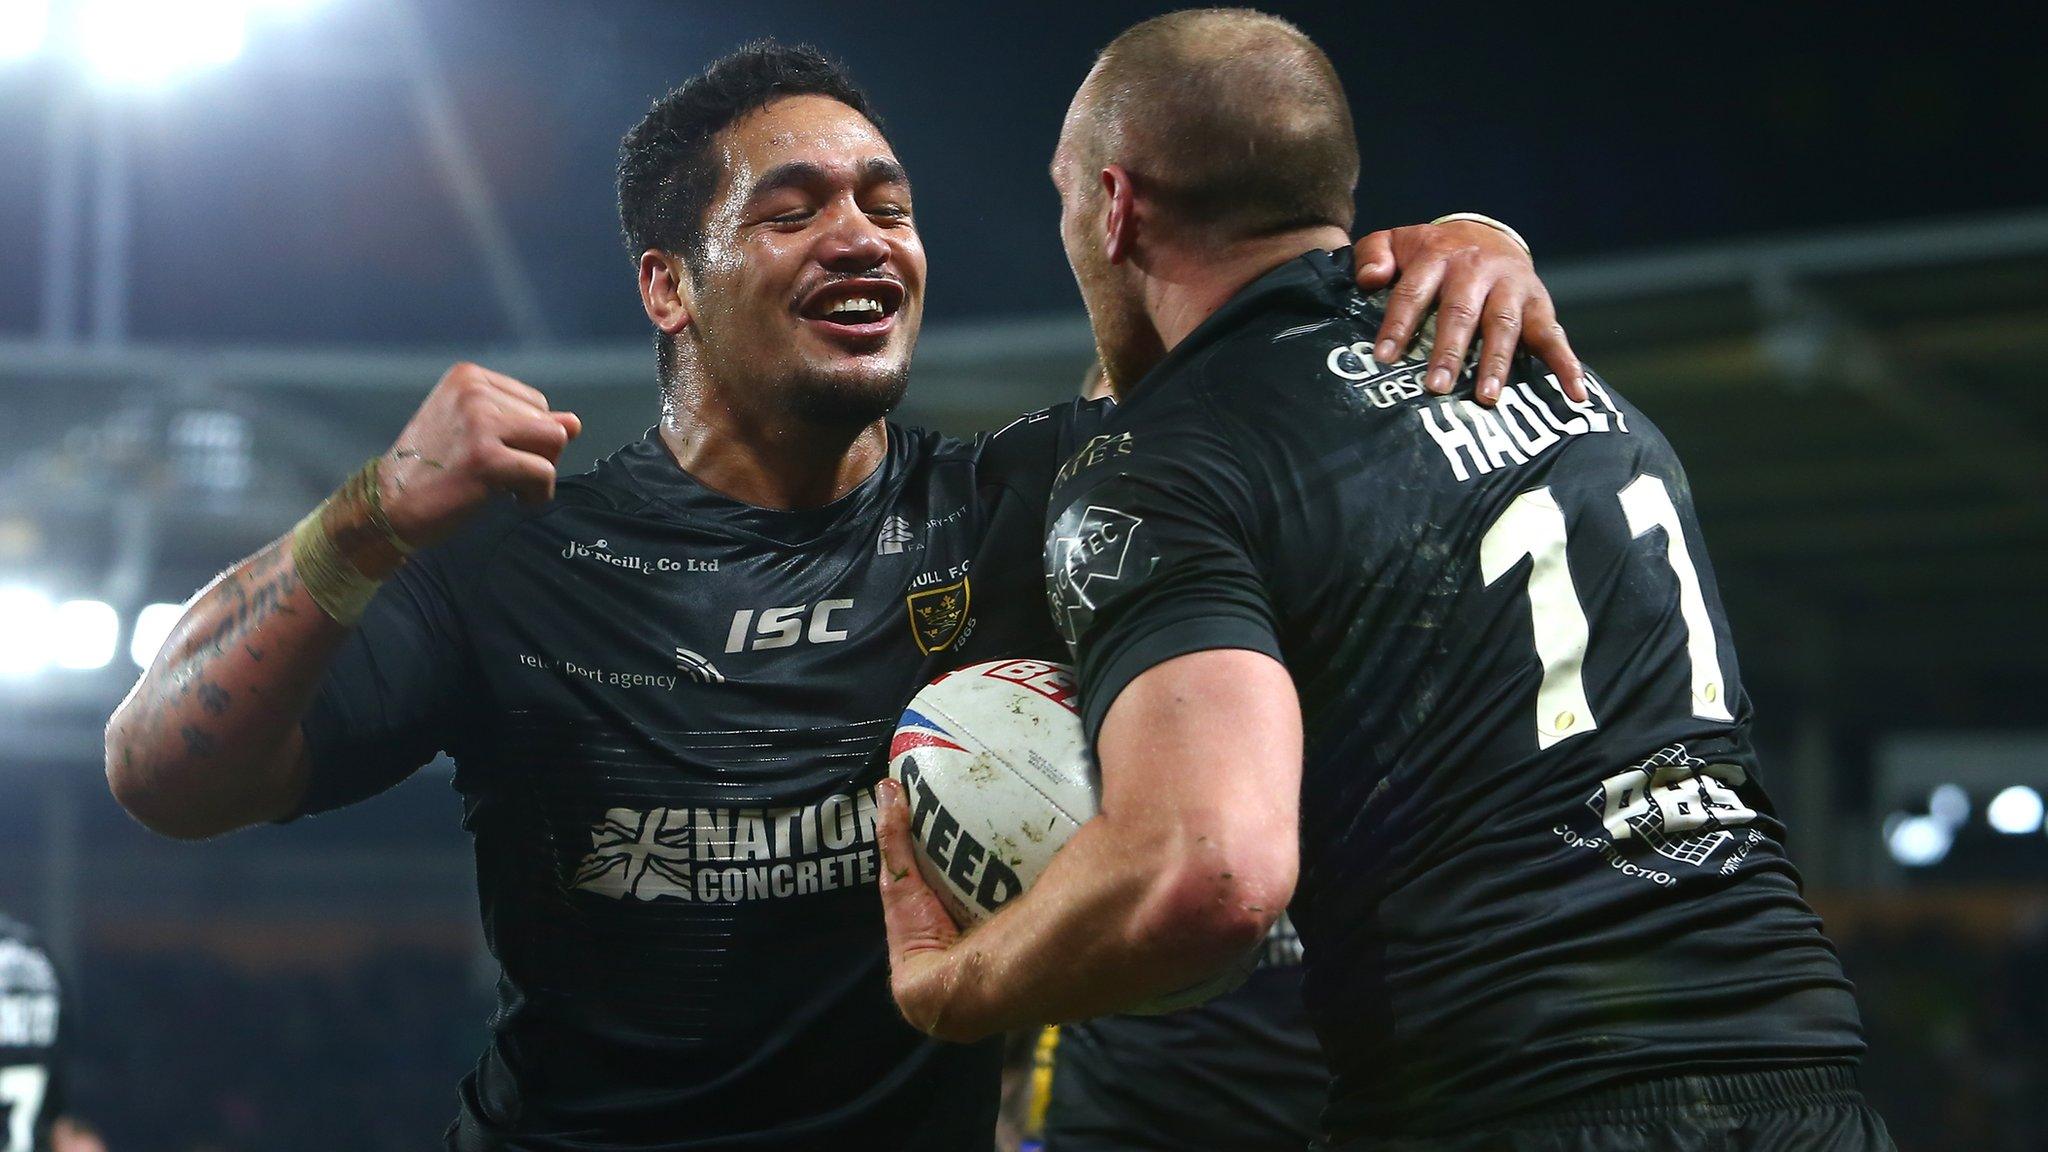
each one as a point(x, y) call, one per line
point(1240, 1073)
point(1536, 855)
point(31, 1054)
point(667, 711)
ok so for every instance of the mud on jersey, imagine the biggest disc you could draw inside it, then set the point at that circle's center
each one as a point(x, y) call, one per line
point(667, 711)
point(1537, 856)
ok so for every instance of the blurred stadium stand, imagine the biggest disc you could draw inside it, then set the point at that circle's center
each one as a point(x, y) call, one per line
point(1867, 436)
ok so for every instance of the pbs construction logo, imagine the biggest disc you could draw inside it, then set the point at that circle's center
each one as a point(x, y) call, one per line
point(1673, 805)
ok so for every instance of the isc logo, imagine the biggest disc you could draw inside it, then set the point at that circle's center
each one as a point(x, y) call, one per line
point(784, 627)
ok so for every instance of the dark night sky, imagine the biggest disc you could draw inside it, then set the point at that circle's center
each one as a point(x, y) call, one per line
point(287, 198)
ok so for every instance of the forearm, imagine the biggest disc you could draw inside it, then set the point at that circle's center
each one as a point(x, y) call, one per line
point(1121, 915)
point(1190, 860)
point(208, 740)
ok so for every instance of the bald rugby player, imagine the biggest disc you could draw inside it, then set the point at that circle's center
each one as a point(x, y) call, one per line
point(1455, 683)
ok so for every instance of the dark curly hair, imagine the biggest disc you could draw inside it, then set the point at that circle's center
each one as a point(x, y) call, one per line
point(667, 169)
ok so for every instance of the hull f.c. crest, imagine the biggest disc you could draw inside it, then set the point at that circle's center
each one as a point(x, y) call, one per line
point(938, 614)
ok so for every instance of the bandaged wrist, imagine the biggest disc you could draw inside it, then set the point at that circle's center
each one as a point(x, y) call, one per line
point(365, 488)
point(334, 584)
point(1490, 222)
point(334, 581)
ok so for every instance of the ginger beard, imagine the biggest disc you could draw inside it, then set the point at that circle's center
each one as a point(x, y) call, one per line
point(1126, 341)
point(809, 290)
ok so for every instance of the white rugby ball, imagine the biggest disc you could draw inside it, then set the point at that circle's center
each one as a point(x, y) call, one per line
point(999, 775)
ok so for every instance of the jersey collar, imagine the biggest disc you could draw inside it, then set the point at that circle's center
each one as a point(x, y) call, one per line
point(1315, 281)
point(647, 467)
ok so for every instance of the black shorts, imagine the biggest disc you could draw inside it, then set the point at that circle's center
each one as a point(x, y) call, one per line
point(1815, 1109)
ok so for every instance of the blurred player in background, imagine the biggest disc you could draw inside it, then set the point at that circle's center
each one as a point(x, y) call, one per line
point(667, 683)
point(1455, 681)
point(32, 1065)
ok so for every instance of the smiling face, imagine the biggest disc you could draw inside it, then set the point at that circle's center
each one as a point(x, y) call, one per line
point(806, 297)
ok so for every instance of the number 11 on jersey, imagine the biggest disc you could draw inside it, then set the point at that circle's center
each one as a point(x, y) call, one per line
point(1533, 525)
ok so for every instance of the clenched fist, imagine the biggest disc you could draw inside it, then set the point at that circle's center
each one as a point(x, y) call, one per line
point(478, 432)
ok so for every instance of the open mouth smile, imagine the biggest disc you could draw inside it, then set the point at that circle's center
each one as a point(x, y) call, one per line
point(859, 311)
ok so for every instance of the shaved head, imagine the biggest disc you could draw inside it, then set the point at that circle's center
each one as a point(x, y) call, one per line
point(1231, 120)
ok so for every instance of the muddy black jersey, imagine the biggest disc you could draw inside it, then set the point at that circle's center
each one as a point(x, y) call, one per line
point(667, 711)
point(1536, 853)
point(31, 1055)
point(1240, 1073)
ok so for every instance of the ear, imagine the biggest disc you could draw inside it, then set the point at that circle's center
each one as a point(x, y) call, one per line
point(1120, 225)
point(665, 290)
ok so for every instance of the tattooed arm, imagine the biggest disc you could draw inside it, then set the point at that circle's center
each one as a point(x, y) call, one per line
point(209, 739)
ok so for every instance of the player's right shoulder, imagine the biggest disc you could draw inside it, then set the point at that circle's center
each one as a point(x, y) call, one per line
point(1027, 452)
point(1045, 430)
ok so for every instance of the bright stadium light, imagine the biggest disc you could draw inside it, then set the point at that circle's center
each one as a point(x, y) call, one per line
point(2016, 811)
point(138, 43)
point(27, 620)
point(152, 627)
point(87, 634)
point(1919, 841)
point(23, 26)
point(1950, 805)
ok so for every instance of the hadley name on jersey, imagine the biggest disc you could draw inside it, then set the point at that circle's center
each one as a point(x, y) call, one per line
point(1536, 856)
point(667, 712)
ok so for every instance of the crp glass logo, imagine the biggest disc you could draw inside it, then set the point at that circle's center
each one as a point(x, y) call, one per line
point(1353, 361)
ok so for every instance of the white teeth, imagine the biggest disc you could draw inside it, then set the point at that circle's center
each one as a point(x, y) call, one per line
point(855, 304)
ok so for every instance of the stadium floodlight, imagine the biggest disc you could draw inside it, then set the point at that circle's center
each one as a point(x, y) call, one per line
point(152, 627)
point(2016, 811)
point(27, 619)
point(23, 26)
point(1919, 841)
point(87, 634)
point(139, 43)
point(1950, 805)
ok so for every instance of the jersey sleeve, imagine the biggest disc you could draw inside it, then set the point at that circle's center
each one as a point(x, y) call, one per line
point(392, 697)
point(1156, 558)
point(1014, 471)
